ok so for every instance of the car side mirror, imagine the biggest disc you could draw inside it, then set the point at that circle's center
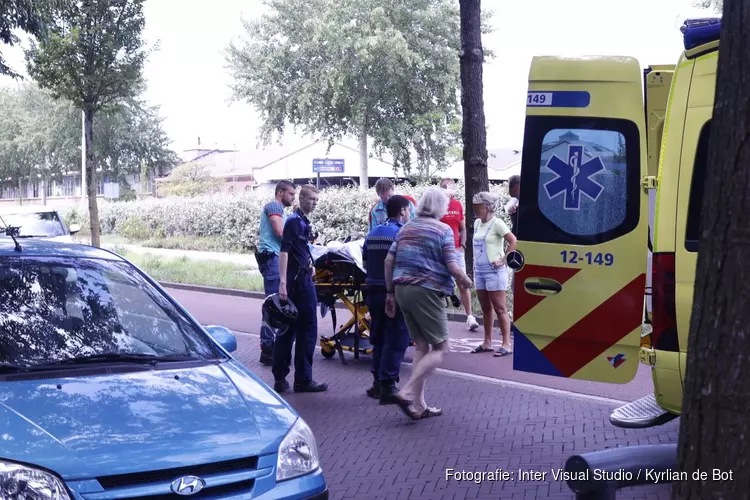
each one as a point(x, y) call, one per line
point(223, 336)
point(74, 228)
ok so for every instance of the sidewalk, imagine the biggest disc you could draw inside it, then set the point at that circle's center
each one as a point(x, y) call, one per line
point(374, 452)
point(247, 260)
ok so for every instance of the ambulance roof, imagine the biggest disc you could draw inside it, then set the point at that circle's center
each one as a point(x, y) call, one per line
point(700, 31)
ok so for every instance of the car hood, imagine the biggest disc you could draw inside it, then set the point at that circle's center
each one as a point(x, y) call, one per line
point(84, 427)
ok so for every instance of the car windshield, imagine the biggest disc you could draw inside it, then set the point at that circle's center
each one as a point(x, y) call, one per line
point(36, 223)
point(62, 310)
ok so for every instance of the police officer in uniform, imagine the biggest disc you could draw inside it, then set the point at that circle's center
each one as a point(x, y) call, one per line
point(296, 269)
point(389, 336)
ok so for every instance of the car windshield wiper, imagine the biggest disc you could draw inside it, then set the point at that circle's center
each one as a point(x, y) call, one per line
point(33, 236)
point(115, 357)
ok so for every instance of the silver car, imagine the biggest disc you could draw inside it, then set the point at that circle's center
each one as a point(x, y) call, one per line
point(38, 222)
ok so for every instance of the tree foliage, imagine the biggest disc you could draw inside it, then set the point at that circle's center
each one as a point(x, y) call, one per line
point(93, 57)
point(717, 5)
point(29, 16)
point(387, 69)
point(38, 136)
point(41, 138)
point(189, 180)
point(94, 54)
point(131, 140)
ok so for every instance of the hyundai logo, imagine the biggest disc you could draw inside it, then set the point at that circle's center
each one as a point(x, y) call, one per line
point(188, 485)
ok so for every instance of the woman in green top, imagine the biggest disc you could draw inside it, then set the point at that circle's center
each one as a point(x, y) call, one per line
point(490, 269)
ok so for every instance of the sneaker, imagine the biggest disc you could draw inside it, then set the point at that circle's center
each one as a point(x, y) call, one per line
point(471, 323)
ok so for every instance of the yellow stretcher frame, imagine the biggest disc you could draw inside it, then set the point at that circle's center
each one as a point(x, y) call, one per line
point(351, 294)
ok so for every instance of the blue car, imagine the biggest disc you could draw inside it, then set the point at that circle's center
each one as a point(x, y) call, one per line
point(110, 390)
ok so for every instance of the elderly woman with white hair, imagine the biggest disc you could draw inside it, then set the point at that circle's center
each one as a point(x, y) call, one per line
point(491, 270)
point(419, 272)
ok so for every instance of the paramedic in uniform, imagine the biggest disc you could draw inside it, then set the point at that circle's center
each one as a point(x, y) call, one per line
point(378, 213)
point(272, 219)
point(296, 269)
point(389, 336)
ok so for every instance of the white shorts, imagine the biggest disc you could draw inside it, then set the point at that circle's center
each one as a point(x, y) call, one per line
point(492, 280)
point(461, 263)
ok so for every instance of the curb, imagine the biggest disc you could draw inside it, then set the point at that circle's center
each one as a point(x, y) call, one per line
point(455, 317)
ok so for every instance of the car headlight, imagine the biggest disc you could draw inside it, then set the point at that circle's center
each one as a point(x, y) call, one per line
point(27, 483)
point(298, 452)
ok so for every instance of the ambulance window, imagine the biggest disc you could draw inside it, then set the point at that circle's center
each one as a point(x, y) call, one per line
point(585, 174)
point(692, 230)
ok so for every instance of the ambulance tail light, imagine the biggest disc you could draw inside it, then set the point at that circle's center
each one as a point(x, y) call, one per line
point(664, 312)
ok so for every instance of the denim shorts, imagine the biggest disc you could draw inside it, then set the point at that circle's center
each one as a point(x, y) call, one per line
point(490, 279)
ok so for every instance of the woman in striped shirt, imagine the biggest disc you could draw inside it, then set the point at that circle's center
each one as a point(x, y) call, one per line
point(419, 272)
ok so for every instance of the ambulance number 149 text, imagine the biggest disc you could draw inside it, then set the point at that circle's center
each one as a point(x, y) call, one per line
point(599, 259)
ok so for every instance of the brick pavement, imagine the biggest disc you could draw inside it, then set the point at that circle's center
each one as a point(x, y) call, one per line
point(374, 452)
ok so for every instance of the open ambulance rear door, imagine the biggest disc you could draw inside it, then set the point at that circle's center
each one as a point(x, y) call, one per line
point(583, 221)
point(657, 82)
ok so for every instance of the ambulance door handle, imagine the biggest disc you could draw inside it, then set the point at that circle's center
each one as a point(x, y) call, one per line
point(542, 286)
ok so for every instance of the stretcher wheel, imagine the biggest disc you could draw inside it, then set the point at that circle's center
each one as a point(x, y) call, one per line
point(326, 350)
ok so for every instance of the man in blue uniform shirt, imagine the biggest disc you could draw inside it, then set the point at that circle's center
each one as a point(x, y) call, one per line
point(272, 220)
point(296, 269)
point(389, 337)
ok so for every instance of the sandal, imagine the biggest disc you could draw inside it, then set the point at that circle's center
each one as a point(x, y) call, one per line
point(480, 348)
point(404, 405)
point(431, 412)
point(502, 352)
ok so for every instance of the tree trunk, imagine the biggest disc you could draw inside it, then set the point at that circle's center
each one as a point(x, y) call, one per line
point(473, 133)
point(364, 180)
point(84, 188)
point(715, 429)
point(91, 178)
point(44, 191)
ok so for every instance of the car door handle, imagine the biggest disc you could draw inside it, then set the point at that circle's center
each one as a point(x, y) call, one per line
point(542, 286)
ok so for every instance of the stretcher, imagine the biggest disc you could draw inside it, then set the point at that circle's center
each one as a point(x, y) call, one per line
point(340, 275)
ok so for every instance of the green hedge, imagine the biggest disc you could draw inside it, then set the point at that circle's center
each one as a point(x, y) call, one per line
point(234, 220)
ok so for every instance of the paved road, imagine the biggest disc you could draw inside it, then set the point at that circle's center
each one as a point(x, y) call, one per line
point(374, 452)
point(243, 315)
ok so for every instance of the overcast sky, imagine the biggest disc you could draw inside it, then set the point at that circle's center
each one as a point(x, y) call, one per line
point(187, 77)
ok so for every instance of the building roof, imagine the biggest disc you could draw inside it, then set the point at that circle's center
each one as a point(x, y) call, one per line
point(501, 164)
point(293, 160)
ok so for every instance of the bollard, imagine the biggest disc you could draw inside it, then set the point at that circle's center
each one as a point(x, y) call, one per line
point(599, 474)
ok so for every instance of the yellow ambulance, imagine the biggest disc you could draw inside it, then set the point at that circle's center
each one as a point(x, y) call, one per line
point(614, 161)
